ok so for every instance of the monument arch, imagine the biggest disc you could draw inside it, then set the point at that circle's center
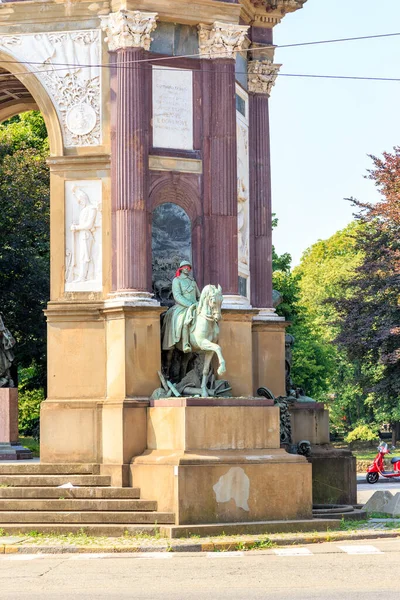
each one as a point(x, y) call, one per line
point(28, 93)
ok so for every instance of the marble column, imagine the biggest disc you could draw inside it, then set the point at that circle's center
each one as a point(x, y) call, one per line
point(128, 37)
point(218, 44)
point(261, 78)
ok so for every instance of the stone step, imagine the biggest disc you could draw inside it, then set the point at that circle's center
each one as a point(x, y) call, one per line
point(54, 480)
point(77, 505)
point(109, 530)
point(114, 518)
point(80, 493)
point(49, 469)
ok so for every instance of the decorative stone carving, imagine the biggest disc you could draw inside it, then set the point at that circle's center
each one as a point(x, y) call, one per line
point(262, 75)
point(76, 89)
point(81, 119)
point(221, 40)
point(83, 261)
point(283, 6)
point(242, 136)
point(129, 29)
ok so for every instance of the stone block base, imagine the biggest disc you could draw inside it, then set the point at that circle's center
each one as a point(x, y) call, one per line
point(219, 461)
point(8, 415)
point(225, 486)
point(334, 475)
point(310, 421)
point(14, 452)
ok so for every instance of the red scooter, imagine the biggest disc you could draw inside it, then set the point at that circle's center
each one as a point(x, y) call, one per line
point(378, 466)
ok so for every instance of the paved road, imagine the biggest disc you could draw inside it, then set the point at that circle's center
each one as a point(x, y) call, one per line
point(335, 571)
point(365, 490)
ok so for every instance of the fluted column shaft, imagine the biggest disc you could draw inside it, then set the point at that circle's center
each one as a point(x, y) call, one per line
point(223, 177)
point(260, 202)
point(130, 168)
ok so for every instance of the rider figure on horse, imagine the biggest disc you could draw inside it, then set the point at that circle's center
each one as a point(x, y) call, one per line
point(179, 318)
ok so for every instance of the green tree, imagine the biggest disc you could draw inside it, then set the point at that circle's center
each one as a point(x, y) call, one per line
point(24, 227)
point(318, 366)
point(370, 313)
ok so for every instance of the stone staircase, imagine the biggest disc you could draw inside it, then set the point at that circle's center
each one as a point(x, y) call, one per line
point(31, 500)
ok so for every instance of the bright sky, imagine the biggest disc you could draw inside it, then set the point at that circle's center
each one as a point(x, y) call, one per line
point(322, 130)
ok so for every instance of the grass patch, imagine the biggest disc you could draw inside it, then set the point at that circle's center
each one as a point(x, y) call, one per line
point(32, 444)
point(349, 525)
point(365, 455)
point(2, 532)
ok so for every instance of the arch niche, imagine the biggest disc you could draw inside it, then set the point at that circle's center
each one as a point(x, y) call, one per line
point(183, 192)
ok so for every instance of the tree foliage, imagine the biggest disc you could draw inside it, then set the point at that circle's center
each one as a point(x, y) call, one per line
point(320, 368)
point(24, 227)
point(370, 313)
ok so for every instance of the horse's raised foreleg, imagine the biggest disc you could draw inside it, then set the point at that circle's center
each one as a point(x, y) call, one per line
point(206, 369)
point(206, 345)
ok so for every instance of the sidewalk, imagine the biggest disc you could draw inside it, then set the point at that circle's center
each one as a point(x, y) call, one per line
point(56, 544)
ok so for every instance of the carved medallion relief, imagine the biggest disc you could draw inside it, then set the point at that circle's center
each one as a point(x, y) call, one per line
point(68, 66)
point(83, 236)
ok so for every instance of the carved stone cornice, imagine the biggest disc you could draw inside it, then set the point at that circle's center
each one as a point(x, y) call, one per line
point(268, 13)
point(262, 75)
point(283, 6)
point(129, 29)
point(221, 40)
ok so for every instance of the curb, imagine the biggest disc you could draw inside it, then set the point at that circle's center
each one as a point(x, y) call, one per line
point(262, 543)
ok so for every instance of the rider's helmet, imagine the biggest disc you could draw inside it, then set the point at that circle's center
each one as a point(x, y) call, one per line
point(185, 263)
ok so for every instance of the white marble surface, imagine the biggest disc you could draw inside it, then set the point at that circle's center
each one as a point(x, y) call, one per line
point(242, 126)
point(83, 236)
point(67, 65)
point(172, 108)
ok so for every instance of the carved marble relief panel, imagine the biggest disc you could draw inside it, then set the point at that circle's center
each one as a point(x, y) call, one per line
point(68, 66)
point(83, 236)
point(242, 125)
point(172, 108)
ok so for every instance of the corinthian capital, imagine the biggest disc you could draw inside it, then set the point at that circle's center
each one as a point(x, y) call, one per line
point(262, 75)
point(129, 29)
point(221, 40)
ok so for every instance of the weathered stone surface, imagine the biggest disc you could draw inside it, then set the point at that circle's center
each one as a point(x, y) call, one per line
point(8, 415)
point(61, 504)
point(85, 517)
point(50, 469)
point(54, 480)
point(393, 506)
point(379, 502)
point(76, 492)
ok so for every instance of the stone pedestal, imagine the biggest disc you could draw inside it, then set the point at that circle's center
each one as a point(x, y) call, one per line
point(9, 446)
point(235, 340)
point(268, 338)
point(334, 476)
point(103, 363)
point(219, 461)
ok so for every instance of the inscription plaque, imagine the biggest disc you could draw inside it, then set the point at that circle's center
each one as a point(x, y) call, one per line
point(172, 108)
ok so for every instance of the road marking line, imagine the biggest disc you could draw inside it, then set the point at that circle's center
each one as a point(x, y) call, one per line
point(148, 555)
point(358, 549)
point(90, 555)
point(229, 554)
point(22, 556)
point(293, 552)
